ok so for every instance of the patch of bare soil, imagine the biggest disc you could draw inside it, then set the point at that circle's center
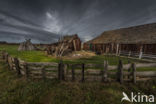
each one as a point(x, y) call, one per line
point(79, 54)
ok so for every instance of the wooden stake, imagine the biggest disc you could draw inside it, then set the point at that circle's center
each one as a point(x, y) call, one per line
point(17, 66)
point(120, 72)
point(104, 72)
point(73, 73)
point(83, 65)
point(43, 73)
point(26, 70)
point(134, 72)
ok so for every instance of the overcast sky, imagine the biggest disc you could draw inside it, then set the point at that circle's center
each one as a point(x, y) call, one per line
point(46, 20)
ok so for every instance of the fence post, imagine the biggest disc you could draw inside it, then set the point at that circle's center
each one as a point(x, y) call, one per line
point(73, 73)
point(134, 72)
point(117, 49)
point(129, 54)
point(6, 58)
point(83, 66)
point(3, 57)
point(17, 66)
point(119, 52)
point(26, 70)
point(61, 71)
point(104, 72)
point(129, 70)
point(43, 73)
point(65, 71)
point(140, 55)
point(120, 72)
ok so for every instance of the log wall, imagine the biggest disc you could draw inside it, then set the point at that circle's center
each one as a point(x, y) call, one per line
point(112, 48)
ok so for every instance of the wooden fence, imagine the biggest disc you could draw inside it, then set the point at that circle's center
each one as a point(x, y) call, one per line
point(140, 55)
point(80, 72)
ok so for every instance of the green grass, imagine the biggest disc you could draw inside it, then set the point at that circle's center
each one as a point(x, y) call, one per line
point(17, 90)
point(30, 56)
point(39, 56)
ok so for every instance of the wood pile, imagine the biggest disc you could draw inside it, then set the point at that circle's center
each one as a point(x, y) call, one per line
point(26, 46)
point(65, 46)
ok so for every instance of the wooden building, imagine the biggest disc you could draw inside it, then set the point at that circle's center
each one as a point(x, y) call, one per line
point(65, 45)
point(134, 39)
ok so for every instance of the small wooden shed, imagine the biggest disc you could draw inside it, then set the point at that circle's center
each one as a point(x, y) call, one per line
point(65, 45)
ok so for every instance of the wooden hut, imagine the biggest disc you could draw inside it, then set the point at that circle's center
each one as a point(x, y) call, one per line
point(65, 45)
point(135, 39)
point(26, 46)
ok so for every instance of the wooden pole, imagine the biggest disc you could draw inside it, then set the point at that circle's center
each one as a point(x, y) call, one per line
point(120, 72)
point(3, 57)
point(129, 54)
point(26, 70)
point(6, 57)
point(104, 72)
point(117, 48)
point(83, 66)
point(129, 70)
point(43, 73)
point(16, 61)
point(134, 72)
point(73, 73)
point(61, 71)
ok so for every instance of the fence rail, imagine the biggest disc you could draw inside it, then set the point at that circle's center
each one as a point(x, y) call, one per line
point(138, 55)
point(79, 72)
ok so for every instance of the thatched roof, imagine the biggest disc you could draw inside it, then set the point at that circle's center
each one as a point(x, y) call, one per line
point(26, 46)
point(137, 34)
point(70, 37)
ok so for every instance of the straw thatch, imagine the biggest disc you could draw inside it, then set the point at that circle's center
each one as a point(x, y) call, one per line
point(26, 46)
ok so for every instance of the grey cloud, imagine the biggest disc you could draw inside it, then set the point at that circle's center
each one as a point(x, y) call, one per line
point(87, 18)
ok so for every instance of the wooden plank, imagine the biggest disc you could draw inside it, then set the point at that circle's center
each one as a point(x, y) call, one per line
point(146, 74)
point(51, 69)
point(51, 77)
point(42, 64)
point(35, 72)
point(34, 68)
point(93, 65)
point(145, 65)
point(50, 74)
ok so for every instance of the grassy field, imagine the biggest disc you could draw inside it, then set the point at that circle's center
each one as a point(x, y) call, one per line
point(16, 90)
point(39, 56)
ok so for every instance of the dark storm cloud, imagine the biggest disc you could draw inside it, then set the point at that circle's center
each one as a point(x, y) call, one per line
point(46, 20)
